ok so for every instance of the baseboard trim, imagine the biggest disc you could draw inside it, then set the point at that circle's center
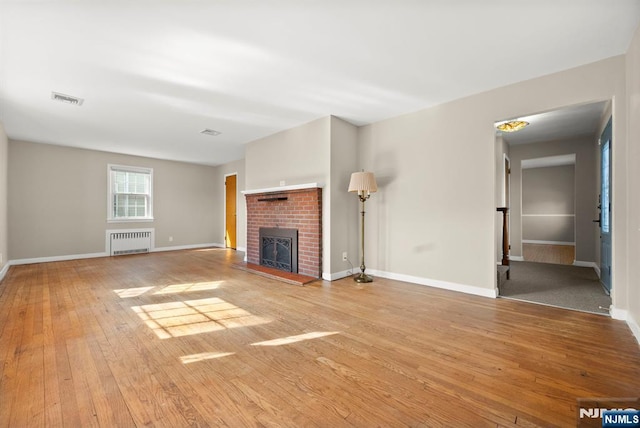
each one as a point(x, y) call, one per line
point(592, 265)
point(57, 258)
point(186, 247)
point(634, 326)
point(242, 249)
point(452, 286)
point(336, 275)
point(624, 315)
point(618, 314)
point(4, 270)
point(516, 258)
point(96, 255)
point(585, 264)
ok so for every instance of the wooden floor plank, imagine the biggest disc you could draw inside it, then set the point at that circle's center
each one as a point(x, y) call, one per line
point(184, 339)
point(10, 338)
point(549, 253)
point(53, 407)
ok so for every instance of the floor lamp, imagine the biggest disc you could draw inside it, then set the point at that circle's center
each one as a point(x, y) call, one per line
point(364, 183)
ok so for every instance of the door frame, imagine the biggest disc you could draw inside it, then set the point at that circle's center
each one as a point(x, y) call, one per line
point(224, 209)
point(609, 112)
point(608, 124)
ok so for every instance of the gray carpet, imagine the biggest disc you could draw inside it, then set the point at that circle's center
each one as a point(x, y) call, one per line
point(564, 286)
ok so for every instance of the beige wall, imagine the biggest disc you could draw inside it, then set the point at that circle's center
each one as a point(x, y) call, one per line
point(586, 197)
point(434, 217)
point(323, 151)
point(236, 167)
point(4, 228)
point(58, 201)
point(548, 190)
point(633, 177)
point(548, 203)
point(296, 156)
point(345, 216)
point(558, 230)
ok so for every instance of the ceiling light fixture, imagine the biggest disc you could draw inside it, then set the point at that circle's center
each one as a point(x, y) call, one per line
point(512, 125)
point(211, 132)
point(69, 99)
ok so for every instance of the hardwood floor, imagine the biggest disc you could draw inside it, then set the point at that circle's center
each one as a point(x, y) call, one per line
point(543, 253)
point(183, 339)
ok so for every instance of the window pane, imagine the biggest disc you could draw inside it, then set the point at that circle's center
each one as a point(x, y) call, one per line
point(120, 178)
point(131, 193)
point(130, 206)
point(131, 182)
point(605, 203)
point(137, 183)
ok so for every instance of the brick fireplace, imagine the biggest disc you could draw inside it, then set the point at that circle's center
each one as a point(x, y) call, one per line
point(289, 207)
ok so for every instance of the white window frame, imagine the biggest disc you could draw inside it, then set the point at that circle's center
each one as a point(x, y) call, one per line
point(110, 193)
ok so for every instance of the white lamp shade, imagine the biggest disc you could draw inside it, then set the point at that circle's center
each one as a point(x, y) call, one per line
point(362, 182)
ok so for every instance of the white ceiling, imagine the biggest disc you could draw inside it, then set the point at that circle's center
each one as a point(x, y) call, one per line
point(567, 122)
point(154, 74)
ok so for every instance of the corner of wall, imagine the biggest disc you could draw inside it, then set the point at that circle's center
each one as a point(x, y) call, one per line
point(4, 180)
point(632, 62)
point(634, 325)
point(343, 227)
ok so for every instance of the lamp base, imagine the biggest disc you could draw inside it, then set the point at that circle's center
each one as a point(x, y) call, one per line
point(361, 277)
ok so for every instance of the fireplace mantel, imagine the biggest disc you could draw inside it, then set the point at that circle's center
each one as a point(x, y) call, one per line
point(283, 188)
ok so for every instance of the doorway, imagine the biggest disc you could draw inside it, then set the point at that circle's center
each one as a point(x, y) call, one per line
point(548, 195)
point(230, 211)
point(568, 136)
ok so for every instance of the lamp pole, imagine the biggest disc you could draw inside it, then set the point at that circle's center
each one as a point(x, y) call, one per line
point(362, 277)
point(363, 183)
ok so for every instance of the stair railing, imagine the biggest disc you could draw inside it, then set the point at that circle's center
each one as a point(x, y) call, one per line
point(505, 237)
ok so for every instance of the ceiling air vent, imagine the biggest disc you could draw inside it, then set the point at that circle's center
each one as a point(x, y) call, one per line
point(66, 98)
point(211, 132)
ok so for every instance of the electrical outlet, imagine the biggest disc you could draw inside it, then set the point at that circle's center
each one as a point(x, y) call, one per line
point(282, 182)
point(171, 239)
point(344, 256)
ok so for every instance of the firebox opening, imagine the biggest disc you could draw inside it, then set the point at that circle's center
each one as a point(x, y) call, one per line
point(279, 248)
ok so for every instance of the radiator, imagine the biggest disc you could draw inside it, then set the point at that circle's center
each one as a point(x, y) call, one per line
point(129, 241)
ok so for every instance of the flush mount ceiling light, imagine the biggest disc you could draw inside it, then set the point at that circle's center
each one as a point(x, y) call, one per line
point(69, 99)
point(512, 125)
point(211, 132)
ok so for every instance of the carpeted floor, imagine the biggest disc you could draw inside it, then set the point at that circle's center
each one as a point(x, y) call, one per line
point(564, 286)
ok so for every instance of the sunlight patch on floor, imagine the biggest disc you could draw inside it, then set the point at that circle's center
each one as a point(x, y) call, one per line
point(294, 339)
point(194, 358)
point(176, 319)
point(132, 292)
point(194, 286)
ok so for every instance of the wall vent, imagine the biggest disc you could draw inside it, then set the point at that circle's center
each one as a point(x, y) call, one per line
point(69, 99)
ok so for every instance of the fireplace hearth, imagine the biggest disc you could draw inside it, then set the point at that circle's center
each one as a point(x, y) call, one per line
point(279, 248)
